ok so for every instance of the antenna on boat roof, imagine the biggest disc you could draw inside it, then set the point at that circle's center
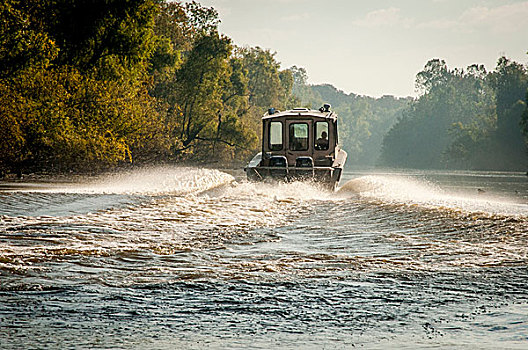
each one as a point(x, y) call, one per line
point(326, 108)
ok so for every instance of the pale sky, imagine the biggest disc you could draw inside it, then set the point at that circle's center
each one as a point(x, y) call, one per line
point(376, 47)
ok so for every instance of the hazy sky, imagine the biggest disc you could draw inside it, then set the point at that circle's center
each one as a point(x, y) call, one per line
point(376, 47)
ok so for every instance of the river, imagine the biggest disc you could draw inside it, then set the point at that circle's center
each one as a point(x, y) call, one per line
point(191, 258)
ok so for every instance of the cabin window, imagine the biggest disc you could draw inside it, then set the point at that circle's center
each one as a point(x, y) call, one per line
point(298, 137)
point(275, 136)
point(321, 135)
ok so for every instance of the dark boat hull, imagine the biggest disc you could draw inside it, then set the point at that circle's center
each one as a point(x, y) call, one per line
point(327, 176)
point(299, 145)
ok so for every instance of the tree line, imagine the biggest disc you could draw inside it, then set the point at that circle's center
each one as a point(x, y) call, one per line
point(92, 84)
point(363, 120)
point(463, 118)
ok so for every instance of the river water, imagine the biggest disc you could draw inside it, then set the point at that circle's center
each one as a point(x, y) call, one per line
point(198, 258)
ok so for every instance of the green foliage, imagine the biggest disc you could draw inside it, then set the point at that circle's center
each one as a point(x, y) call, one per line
point(363, 120)
point(268, 85)
point(435, 75)
point(192, 88)
point(91, 84)
point(111, 37)
point(524, 120)
point(510, 83)
point(463, 119)
point(199, 86)
point(86, 84)
point(212, 94)
point(22, 44)
point(72, 84)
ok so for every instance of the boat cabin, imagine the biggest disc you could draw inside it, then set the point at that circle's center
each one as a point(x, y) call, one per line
point(299, 144)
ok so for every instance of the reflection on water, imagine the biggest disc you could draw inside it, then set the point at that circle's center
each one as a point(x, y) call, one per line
point(194, 258)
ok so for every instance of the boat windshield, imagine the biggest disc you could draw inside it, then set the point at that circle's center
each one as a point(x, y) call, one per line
point(321, 136)
point(275, 136)
point(298, 137)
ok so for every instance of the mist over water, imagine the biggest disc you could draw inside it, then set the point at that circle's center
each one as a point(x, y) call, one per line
point(193, 258)
point(411, 191)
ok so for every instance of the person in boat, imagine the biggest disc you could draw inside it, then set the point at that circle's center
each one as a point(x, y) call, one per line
point(322, 142)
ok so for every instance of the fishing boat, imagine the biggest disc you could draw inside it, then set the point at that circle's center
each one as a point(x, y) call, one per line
point(299, 144)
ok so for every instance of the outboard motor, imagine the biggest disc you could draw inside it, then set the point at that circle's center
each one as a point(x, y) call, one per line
point(279, 165)
point(304, 167)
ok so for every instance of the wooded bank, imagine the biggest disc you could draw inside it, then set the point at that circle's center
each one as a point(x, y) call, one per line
point(93, 85)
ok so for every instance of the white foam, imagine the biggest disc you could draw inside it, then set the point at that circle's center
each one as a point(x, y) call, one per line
point(294, 191)
point(152, 181)
point(406, 190)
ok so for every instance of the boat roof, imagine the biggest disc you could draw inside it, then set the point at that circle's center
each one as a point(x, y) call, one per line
point(301, 112)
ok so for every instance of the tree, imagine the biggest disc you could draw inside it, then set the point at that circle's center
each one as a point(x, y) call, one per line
point(199, 90)
point(268, 85)
point(114, 37)
point(464, 119)
point(435, 74)
point(524, 119)
point(22, 42)
point(433, 128)
point(75, 96)
point(510, 83)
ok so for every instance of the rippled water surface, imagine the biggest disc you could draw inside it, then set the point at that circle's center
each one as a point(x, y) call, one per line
point(198, 258)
